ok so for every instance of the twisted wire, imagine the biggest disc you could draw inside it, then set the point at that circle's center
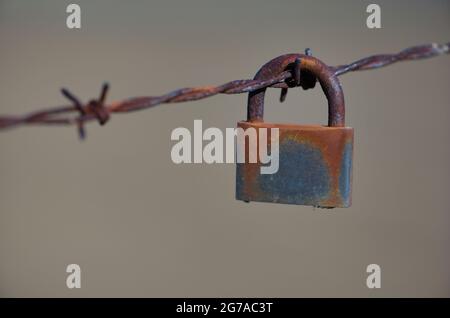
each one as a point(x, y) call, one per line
point(97, 109)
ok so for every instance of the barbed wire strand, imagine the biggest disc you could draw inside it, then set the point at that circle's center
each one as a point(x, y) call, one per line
point(98, 110)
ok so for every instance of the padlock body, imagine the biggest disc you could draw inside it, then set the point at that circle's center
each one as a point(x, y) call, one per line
point(314, 168)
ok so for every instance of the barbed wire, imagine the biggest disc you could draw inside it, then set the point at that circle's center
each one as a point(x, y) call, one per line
point(96, 109)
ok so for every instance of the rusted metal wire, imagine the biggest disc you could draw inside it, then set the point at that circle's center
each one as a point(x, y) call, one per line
point(97, 109)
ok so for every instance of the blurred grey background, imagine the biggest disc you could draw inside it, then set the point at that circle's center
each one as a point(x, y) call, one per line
point(141, 226)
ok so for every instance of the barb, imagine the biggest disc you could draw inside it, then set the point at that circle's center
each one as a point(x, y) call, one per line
point(98, 110)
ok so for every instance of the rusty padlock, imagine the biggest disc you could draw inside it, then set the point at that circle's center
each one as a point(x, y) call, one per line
point(315, 162)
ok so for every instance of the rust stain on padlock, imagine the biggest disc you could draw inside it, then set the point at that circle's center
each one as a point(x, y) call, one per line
point(315, 167)
point(315, 163)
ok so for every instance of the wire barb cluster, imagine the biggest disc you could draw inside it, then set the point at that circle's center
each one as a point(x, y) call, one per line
point(96, 109)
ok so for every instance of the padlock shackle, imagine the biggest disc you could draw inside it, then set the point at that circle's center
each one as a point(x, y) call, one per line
point(328, 81)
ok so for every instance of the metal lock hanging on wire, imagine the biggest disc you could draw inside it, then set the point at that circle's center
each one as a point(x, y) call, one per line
point(315, 162)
